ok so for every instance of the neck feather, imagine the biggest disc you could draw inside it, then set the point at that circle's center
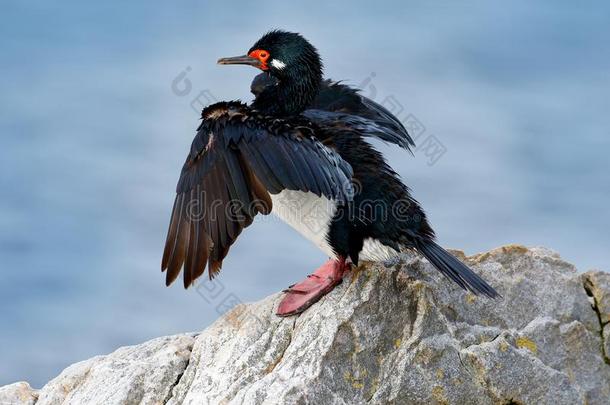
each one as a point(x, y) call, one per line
point(292, 94)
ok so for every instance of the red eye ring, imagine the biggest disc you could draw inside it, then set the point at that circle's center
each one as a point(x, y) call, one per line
point(261, 55)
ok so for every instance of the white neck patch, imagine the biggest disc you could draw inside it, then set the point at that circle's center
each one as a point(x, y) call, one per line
point(278, 64)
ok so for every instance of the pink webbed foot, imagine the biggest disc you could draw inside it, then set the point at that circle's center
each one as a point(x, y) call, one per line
point(304, 294)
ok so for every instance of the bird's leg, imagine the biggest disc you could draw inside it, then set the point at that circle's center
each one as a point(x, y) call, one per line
point(302, 295)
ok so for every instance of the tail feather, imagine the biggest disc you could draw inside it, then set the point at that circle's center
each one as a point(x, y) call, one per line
point(454, 269)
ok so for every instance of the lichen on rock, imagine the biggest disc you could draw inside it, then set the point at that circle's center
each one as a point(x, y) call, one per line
point(397, 333)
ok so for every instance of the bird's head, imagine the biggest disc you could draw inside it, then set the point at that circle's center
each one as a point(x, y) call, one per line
point(280, 53)
point(289, 58)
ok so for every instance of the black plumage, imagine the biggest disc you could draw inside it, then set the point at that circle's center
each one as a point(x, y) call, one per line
point(300, 133)
point(237, 158)
point(341, 103)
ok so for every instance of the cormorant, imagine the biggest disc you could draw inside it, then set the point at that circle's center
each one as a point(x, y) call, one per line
point(299, 150)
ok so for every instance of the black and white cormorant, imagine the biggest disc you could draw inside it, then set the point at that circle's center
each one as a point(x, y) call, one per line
point(299, 151)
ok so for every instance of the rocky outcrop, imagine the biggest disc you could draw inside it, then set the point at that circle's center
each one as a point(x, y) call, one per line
point(394, 333)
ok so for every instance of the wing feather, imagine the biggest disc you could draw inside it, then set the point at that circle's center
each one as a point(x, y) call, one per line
point(347, 104)
point(261, 166)
point(237, 159)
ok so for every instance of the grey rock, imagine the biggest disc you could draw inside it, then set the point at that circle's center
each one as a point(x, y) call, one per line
point(397, 333)
point(142, 374)
point(18, 393)
point(606, 340)
point(597, 284)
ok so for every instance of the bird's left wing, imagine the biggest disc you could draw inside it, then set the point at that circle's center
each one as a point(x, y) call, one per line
point(237, 159)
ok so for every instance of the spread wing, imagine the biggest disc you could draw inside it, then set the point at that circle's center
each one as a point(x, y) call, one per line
point(237, 158)
point(344, 105)
point(362, 126)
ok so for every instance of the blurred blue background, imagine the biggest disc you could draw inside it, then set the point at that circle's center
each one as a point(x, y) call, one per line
point(93, 138)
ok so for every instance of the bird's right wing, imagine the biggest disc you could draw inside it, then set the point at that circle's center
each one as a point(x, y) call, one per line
point(343, 103)
point(237, 158)
point(362, 126)
point(338, 104)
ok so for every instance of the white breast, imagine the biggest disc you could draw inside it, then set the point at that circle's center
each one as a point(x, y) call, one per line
point(311, 215)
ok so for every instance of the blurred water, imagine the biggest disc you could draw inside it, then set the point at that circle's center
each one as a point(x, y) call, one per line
point(93, 139)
